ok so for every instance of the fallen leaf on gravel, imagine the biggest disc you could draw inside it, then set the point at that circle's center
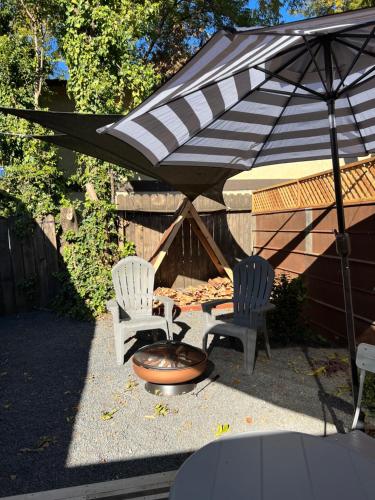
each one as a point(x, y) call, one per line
point(321, 370)
point(150, 416)
point(107, 415)
point(43, 443)
point(222, 429)
point(131, 385)
point(249, 420)
point(161, 410)
point(343, 389)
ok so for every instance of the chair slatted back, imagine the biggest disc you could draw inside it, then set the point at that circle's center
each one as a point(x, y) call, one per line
point(252, 283)
point(133, 280)
point(366, 357)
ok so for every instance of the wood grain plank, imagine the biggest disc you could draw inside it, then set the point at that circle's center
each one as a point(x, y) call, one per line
point(8, 300)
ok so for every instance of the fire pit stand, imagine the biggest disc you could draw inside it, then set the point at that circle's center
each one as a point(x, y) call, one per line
point(169, 389)
point(169, 368)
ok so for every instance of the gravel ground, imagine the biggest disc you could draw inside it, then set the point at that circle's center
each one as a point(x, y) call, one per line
point(57, 376)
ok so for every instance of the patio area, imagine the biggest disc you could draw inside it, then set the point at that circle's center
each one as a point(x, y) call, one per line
point(80, 418)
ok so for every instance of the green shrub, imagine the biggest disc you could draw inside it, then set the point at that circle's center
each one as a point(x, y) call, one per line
point(286, 322)
point(369, 392)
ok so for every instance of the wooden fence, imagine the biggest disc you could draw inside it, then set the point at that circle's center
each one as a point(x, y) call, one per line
point(358, 183)
point(293, 226)
point(144, 218)
point(27, 265)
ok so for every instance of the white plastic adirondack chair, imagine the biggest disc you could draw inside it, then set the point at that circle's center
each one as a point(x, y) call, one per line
point(133, 280)
point(365, 360)
point(252, 282)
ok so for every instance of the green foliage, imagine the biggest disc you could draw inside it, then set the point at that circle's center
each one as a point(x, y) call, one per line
point(286, 321)
point(312, 8)
point(100, 45)
point(369, 392)
point(89, 255)
point(33, 183)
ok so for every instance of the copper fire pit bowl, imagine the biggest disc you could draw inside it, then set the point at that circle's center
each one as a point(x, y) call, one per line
point(169, 363)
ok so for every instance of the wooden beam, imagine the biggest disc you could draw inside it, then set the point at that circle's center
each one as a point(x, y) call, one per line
point(169, 235)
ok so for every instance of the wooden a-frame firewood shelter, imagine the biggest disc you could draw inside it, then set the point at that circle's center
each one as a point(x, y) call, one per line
point(187, 211)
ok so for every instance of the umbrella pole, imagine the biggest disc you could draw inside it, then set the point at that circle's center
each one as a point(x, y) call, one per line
point(343, 249)
point(342, 237)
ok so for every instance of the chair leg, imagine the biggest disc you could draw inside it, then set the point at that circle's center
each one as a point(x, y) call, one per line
point(205, 342)
point(249, 348)
point(360, 392)
point(120, 345)
point(266, 338)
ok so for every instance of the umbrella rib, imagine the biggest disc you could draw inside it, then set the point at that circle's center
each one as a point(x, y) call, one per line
point(359, 81)
point(348, 44)
point(315, 63)
point(287, 80)
point(355, 60)
point(283, 92)
point(291, 95)
point(251, 91)
point(350, 106)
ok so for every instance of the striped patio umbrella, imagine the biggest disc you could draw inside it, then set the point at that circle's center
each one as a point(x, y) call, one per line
point(249, 97)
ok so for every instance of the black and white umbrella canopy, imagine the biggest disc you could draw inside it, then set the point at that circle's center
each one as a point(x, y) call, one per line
point(259, 96)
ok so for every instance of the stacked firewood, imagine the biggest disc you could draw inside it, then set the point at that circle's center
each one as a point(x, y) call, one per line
point(216, 288)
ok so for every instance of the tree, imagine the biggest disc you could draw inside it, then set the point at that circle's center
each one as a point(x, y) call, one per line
point(312, 8)
point(177, 28)
point(26, 60)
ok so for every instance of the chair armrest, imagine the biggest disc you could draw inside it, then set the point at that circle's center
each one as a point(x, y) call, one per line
point(114, 309)
point(265, 308)
point(168, 306)
point(211, 304)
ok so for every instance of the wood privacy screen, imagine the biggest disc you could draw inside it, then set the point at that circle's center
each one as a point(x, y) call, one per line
point(302, 243)
point(358, 184)
point(27, 265)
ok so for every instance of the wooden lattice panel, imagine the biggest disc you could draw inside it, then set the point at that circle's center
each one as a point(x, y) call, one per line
point(358, 185)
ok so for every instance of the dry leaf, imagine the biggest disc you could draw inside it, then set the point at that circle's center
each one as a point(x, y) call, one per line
point(107, 415)
point(222, 429)
point(249, 420)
